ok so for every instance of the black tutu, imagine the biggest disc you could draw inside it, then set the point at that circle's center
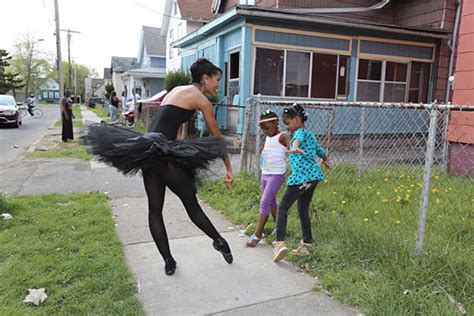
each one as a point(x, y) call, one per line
point(130, 151)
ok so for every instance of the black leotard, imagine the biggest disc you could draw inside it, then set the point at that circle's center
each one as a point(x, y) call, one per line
point(168, 119)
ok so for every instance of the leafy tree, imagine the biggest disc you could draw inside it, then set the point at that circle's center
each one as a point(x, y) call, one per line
point(176, 78)
point(82, 72)
point(28, 62)
point(109, 87)
point(8, 81)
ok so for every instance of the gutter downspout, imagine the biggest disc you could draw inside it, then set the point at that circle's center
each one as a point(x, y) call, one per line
point(452, 47)
point(376, 6)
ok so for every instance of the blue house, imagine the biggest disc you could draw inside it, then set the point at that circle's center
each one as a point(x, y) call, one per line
point(284, 55)
point(48, 91)
point(147, 78)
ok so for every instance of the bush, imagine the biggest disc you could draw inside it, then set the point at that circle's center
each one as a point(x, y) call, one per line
point(176, 78)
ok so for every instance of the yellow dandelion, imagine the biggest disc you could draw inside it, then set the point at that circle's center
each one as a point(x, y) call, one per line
point(343, 202)
point(446, 190)
point(325, 181)
point(436, 177)
point(395, 190)
point(439, 216)
point(434, 190)
point(438, 201)
point(376, 212)
point(334, 193)
point(398, 198)
point(378, 193)
point(409, 191)
point(397, 222)
point(366, 220)
point(385, 180)
point(412, 185)
point(385, 200)
point(407, 197)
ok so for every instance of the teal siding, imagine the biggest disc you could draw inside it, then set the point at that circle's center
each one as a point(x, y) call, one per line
point(392, 49)
point(302, 40)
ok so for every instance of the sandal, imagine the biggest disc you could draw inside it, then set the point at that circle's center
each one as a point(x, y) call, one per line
point(252, 241)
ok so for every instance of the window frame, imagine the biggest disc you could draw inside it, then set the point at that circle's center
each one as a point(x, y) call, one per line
point(311, 52)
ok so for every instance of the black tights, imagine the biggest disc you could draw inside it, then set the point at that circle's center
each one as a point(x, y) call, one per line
point(180, 182)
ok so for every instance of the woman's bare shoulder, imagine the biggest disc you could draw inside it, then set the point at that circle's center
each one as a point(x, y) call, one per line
point(188, 97)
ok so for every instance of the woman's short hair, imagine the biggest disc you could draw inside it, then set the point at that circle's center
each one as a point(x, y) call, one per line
point(202, 67)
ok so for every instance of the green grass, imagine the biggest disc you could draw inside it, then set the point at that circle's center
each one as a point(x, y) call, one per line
point(67, 245)
point(77, 122)
point(71, 149)
point(364, 236)
point(100, 112)
point(139, 126)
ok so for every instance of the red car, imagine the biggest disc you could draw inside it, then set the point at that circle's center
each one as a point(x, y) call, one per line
point(9, 112)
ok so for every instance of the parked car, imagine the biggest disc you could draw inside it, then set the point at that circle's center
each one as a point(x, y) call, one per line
point(95, 100)
point(9, 111)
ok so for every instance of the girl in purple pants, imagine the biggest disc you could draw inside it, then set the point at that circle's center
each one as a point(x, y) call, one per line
point(273, 171)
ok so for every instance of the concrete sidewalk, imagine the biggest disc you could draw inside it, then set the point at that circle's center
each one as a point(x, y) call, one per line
point(203, 283)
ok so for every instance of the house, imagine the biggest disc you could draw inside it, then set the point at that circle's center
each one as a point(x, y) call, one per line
point(180, 18)
point(369, 50)
point(48, 91)
point(147, 77)
point(94, 87)
point(461, 124)
point(119, 65)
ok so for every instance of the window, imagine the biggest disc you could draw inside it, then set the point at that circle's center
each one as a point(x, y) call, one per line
point(419, 82)
point(56, 95)
point(269, 71)
point(45, 94)
point(395, 82)
point(234, 66)
point(175, 8)
point(323, 83)
point(297, 74)
point(180, 30)
point(51, 94)
point(306, 74)
point(386, 81)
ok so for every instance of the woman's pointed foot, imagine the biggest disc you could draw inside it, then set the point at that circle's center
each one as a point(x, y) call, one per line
point(170, 266)
point(220, 244)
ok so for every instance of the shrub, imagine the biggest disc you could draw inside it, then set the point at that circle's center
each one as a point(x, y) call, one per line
point(176, 78)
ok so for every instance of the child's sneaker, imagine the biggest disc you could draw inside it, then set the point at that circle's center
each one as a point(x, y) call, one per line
point(279, 250)
point(303, 248)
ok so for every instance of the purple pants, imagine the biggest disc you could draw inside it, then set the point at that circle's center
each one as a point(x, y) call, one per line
point(271, 183)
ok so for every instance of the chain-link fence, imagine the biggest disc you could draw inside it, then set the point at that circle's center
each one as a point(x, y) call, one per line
point(391, 162)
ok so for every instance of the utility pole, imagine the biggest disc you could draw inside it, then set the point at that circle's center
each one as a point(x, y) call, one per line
point(58, 54)
point(69, 54)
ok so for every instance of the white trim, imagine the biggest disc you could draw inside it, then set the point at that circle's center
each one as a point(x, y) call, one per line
point(310, 88)
point(337, 78)
point(283, 84)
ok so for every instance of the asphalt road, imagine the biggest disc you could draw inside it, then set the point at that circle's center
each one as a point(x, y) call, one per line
point(26, 134)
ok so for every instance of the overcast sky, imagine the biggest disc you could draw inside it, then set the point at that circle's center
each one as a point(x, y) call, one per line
point(108, 27)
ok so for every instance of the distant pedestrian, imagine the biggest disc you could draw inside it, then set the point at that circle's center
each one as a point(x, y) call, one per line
point(114, 103)
point(67, 116)
point(31, 104)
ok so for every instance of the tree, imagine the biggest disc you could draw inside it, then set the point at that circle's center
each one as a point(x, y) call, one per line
point(176, 78)
point(109, 87)
point(8, 81)
point(29, 62)
point(82, 72)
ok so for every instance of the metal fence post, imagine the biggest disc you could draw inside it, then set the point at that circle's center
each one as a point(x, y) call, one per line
point(329, 130)
point(361, 141)
point(426, 180)
point(444, 157)
point(244, 150)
